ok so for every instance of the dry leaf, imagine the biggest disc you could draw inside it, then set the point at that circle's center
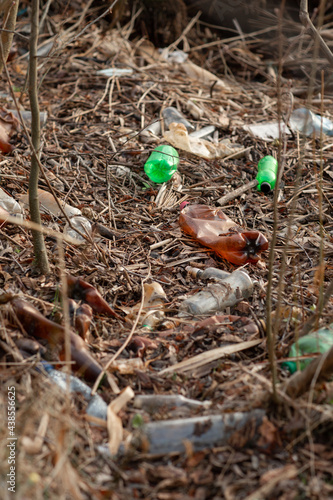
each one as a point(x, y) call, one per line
point(34, 446)
point(209, 356)
point(114, 424)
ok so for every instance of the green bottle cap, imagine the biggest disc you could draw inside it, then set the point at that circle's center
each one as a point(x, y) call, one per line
point(162, 164)
point(267, 174)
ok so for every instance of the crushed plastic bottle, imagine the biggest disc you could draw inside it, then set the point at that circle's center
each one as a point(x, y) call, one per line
point(79, 223)
point(172, 115)
point(162, 164)
point(179, 138)
point(9, 207)
point(313, 343)
point(267, 174)
point(306, 122)
point(217, 297)
point(212, 228)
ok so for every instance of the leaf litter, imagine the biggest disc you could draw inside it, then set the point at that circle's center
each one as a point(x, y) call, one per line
point(217, 368)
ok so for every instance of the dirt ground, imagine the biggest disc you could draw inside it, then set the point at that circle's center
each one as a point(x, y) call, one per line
point(93, 153)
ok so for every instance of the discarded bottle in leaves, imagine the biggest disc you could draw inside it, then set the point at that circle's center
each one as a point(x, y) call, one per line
point(313, 343)
point(172, 115)
point(308, 123)
point(96, 407)
point(203, 133)
point(212, 228)
point(218, 296)
point(208, 273)
point(267, 174)
point(162, 164)
point(168, 436)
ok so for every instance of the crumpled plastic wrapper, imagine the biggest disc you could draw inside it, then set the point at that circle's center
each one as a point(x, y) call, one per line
point(178, 137)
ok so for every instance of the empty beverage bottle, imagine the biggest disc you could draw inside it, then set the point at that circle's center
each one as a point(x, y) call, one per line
point(207, 274)
point(267, 174)
point(172, 115)
point(216, 297)
point(162, 164)
point(313, 343)
point(307, 123)
point(212, 228)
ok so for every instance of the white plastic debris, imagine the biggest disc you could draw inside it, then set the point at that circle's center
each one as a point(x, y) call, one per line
point(80, 224)
point(177, 56)
point(179, 138)
point(115, 72)
point(10, 205)
point(26, 115)
point(306, 122)
point(267, 131)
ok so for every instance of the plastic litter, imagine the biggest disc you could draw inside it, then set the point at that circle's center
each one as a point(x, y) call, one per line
point(115, 72)
point(153, 306)
point(217, 297)
point(26, 115)
point(168, 436)
point(203, 132)
point(208, 273)
point(155, 402)
point(10, 206)
point(177, 56)
point(212, 228)
point(268, 131)
point(179, 138)
point(172, 115)
point(152, 130)
point(81, 224)
point(97, 407)
point(314, 343)
point(162, 164)
point(267, 174)
point(308, 123)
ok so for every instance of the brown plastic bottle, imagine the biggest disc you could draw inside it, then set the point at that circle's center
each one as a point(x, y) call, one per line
point(212, 228)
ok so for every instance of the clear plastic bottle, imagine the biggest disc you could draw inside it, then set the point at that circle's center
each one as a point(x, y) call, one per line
point(172, 115)
point(313, 343)
point(307, 122)
point(212, 228)
point(217, 297)
point(208, 273)
point(267, 174)
point(162, 164)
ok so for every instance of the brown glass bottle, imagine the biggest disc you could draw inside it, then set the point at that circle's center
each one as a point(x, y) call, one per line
point(212, 228)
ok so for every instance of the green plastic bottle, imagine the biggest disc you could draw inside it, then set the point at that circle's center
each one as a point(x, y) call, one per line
point(162, 164)
point(267, 174)
point(314, 343)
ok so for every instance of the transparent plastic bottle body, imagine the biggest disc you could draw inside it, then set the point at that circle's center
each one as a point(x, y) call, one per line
point(162, 164)
point(313, 343)
point(212, 228)
point(172, 115)
point(225, 293)
point(308, 123)
point(267, 174)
